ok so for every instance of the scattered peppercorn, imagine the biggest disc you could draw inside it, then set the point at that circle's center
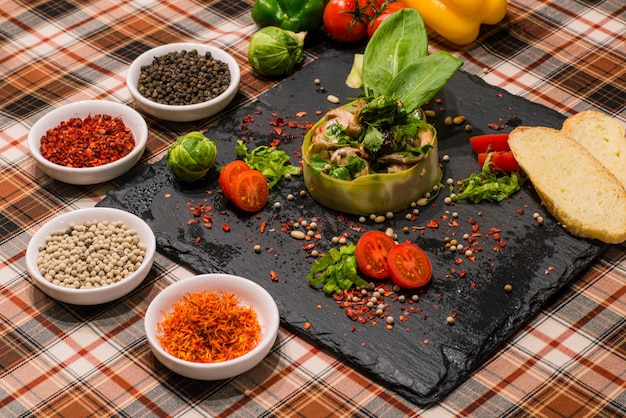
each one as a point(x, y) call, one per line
point(183, 78)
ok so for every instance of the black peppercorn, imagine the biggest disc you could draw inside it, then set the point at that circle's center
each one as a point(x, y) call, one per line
point(183, 78)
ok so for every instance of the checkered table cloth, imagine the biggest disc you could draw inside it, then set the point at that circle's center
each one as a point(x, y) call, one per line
point(71, 361)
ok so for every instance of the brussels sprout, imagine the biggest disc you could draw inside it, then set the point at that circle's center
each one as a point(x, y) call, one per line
point(274, 51)
point(191, 157)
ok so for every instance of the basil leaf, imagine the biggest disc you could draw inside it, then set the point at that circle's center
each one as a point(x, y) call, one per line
point(420, 81)
point(399, 41)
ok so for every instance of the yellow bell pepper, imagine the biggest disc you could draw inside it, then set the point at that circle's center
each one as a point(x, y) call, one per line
point(459, 21)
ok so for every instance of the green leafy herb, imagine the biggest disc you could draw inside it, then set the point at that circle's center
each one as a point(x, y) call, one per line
point(396, 62)
point(272, 162)
point(336, 270)
point(488, 186)
point(341, 172)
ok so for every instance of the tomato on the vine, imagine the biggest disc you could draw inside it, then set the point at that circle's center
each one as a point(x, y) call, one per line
point(409, 265)
point(347, 20)
point(371, 254)
point(383, 14)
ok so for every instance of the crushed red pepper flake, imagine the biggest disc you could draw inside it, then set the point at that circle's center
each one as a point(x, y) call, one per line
point(89, 142)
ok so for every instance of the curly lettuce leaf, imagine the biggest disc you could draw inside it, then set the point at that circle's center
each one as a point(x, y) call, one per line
point(336, 271)
point(272, 162)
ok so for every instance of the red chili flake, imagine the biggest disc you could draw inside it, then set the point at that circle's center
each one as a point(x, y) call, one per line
point(197, 240)
point(263, 226)
point(279, 131)
point(248, 119)
point(89, 142)
point(458, 261)
point(502, 244)
point(433, 224)
point(307, 325)
point(495, 126)
point(496, 236)
point(520, 211)
point(297, 154)
point(462, 273)
point(273, 276)
point(301, 114)
point(275, 142)
point(226, 227)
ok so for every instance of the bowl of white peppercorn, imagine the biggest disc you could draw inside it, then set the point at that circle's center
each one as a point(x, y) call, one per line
point(183, 82)
point(91, 256)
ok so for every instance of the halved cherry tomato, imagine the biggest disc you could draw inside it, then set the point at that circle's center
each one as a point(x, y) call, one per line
point(409, 265)
point(346, 20)
point(228, 173)
point(371, 254)
point(490, 142)
point(382, 15)
point(249, 190)
point(502, 161)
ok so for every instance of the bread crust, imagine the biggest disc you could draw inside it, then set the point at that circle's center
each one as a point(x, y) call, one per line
point(576, 188)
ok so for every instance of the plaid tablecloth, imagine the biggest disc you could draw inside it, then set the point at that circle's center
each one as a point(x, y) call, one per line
point(63, 360)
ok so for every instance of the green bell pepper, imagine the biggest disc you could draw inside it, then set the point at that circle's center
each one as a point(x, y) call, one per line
point(293, 15)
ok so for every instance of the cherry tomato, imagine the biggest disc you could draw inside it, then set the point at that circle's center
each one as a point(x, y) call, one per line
point(502, 161)
point(346, 20)
point(382, 15)
point(409, 265)
point(371, 254)
point(228, 173)
point(249, 190)
point(490, 142)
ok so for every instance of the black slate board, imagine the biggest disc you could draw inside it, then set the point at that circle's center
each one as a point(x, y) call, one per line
point(537, 260)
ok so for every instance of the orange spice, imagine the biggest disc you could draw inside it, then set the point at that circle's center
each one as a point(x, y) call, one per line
point(208, 327)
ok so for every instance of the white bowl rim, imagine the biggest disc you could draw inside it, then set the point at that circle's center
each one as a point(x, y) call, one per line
point(83, 107)
point(135, 66)
point(267, 340)
point(99, 213)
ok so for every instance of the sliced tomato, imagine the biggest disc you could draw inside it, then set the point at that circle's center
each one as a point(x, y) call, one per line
point(371, 254)
point(249, 190)
point(387, 11)
point(503, 161)
point(228, 173)
point(409, 265)
point(490, 143)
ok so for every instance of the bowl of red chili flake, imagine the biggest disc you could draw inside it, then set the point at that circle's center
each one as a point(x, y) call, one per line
point(183, 82)
point(212, 326)
point(88, 142)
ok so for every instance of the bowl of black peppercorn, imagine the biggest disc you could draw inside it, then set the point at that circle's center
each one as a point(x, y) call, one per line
point(183, 82)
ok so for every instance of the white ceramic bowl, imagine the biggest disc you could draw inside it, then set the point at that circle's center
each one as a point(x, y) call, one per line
point(89, 175)
point(96, 295)
point(188, 112)
point(248, 293)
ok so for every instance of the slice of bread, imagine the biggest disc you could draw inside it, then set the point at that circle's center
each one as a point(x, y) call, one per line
point(603, 137)
point(580, 192)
